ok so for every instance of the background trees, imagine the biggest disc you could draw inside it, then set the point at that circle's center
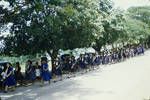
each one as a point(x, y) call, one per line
point(140, 16)
point(40, 26)
point(113, 24)
point(49, 25)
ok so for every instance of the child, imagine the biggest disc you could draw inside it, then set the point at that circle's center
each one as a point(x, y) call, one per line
point(18, 75)
point(1, 77)
point(30, 72)
point(57, 70)
point(9, 78)
point(37, 71)
point(45, 73)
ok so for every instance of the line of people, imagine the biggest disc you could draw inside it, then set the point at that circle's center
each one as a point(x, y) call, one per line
point(69, 64)
point(10, 77)
point(64, 64)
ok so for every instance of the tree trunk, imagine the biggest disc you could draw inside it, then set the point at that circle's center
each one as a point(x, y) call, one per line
point(105, 47)
point(113, 47)
point(53, 58)
point(123, 43)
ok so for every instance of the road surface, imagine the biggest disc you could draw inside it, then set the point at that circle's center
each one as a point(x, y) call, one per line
point(129, 80)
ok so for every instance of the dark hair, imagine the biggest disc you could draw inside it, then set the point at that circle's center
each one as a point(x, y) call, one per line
point(10, 65)
point(37, 63)
point(29, 61)
point(44, 59)
point(17, 63)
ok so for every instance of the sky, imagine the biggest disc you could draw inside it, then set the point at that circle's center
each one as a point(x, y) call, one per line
point(124, 4)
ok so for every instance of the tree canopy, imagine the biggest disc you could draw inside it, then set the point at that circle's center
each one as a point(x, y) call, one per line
point(40, 26)
point(138, 23)
point(49, 25)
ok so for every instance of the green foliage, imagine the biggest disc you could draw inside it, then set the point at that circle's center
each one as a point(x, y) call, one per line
point(50, 25)
point(106, 7)
point(140, 13)
point(137, 30)
point(138, 23)
point(13, 60)
point(40, 26)
point(113, 26)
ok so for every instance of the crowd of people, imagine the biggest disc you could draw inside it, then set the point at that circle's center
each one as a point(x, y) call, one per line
point(11, 76)
point(68, 63)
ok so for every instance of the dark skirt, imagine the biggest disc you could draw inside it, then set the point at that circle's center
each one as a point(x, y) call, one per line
point(46, 75)
point(1, 83)
point(10, 81)
point(19, 76)
point(31, 76)
point(82, 65)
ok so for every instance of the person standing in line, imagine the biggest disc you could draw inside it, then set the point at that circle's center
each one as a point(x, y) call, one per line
point(38, 71)
point(142, 49)
point(45, 73)
point(10, 78)
point(30, 72)
point(18, 75)
point(1, 78)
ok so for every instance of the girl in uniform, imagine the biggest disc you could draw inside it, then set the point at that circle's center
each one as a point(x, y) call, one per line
point(45, 73)
point(18, 75)
point(1, 78)
point(38, 71)
point(30, 72)
point(142, 49)
point(10, 78)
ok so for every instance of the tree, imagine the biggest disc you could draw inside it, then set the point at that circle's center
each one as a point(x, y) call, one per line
point(141, 17)
point(4, 12)
point(140, 13)
point(113, 24)
point(50, 25)
point(106, 7)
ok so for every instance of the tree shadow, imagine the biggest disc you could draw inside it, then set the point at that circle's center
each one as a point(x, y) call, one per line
point(58, 91)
